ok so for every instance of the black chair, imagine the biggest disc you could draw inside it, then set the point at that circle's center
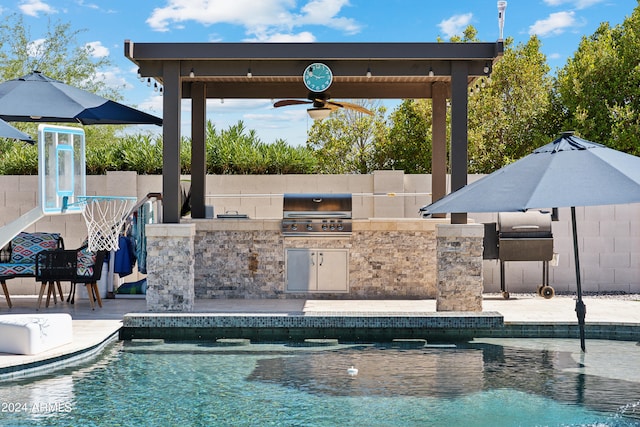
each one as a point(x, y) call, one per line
point(75, 266)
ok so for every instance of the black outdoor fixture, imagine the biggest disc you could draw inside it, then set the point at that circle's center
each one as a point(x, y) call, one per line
point(521, 236)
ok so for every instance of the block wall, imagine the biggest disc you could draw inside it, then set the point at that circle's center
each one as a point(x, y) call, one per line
point(609, 236)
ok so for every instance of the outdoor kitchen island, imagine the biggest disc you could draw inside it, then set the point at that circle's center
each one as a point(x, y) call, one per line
point(253, 258)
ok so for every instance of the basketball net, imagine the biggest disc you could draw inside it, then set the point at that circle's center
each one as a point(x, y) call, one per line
point(105, 217)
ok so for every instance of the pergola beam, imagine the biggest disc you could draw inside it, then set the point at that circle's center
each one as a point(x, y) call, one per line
point(312, 51)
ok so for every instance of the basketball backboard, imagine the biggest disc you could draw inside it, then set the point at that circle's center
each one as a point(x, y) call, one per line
point(61, 169)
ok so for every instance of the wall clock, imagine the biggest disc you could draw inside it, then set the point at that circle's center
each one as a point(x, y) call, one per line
point(317, 77)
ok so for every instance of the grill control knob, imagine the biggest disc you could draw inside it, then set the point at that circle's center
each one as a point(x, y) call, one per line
point(340, 227)
point(324, 227)
point(309, 227)
point(332, 227)
point(294, 227)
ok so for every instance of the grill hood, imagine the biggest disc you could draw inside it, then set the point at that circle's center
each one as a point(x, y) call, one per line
point(317, 205)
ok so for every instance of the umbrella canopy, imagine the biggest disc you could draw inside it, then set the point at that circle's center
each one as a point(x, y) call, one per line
point(38, 98)
point(568, 172)
point(8, 131)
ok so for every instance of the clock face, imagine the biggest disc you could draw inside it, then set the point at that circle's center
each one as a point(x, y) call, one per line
point(317, 77)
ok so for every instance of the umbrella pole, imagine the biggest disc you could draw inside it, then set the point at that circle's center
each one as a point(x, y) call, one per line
point(581, 309)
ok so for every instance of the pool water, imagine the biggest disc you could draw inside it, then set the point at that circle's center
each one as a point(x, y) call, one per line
point(480, 383)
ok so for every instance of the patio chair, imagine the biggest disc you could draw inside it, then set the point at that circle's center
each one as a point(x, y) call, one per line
point(75, 266)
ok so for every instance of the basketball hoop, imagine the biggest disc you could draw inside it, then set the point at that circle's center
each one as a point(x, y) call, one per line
point(105, 216)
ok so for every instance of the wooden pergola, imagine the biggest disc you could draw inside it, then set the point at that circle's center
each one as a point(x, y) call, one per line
point(199, 71)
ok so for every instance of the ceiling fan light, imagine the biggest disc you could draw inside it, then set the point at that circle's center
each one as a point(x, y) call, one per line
point(319, 113)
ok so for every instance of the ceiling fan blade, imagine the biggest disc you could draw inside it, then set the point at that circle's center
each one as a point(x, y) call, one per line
point(351, 106)
point(286, 102)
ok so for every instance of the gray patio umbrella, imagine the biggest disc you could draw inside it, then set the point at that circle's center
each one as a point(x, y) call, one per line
point(8, 131)
point(38, 98)
point(568, 172)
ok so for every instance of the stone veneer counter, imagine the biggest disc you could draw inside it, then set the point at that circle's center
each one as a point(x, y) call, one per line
point(247, 258)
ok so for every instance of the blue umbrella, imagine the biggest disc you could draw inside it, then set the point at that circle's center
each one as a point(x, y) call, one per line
point(568, 172)
point(8, 131)
point(38, 98)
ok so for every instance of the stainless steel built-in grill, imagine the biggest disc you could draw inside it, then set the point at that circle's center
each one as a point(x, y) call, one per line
point(316, 214)
point(521, 236)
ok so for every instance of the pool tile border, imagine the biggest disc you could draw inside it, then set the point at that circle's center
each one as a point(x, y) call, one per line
point(343, 325)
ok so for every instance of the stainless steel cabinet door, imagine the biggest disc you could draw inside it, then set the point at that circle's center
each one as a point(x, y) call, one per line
point(317, 270)
point(333, 270)
point(301, 270)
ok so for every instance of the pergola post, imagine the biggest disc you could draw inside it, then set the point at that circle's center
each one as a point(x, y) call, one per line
point(459, 106)
point(171, 142)
point(198, 149)
point(438, 142)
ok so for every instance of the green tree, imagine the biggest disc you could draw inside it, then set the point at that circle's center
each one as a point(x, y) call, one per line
point(409, 141)
point(237, 150)
point(470, 34)
point(509, 112)
point(58, 54)
point(19, 159)
point(598, 90)
point(347, 141)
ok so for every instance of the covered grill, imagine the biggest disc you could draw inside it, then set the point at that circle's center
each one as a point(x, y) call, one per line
point(521, 236)
point(316, 214)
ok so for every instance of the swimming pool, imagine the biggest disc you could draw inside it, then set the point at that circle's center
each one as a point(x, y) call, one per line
point(489, 382)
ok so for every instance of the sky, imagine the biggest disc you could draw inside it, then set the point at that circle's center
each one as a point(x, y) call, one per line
point(106, 24)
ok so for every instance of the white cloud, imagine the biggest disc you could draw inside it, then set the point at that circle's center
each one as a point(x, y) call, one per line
point(98, 50)
point(233, 106)
point(87, 5)
point(324, 12)
point(114, 78)
point(555, 24)
point(275, 118)
point(578, 4)
point(35, 47)
point(303, 37)
point(455, 25)
point(153, 104)
point(34, 7)
point(268, 18)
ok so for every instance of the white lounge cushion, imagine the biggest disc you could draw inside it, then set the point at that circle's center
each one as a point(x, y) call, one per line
point(34, 333)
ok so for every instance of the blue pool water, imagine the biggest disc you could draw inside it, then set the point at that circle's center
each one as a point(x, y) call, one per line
point(482, 383)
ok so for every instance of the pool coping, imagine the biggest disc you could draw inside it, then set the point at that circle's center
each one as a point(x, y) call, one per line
point(50, 364)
